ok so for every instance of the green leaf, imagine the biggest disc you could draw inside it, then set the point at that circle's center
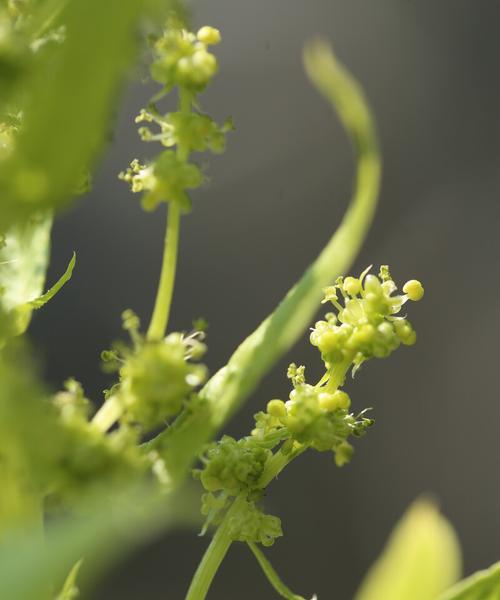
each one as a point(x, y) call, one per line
point(483, 585)
point(23, 264)
point(228, 388)
point(103, 535)
point(70, 96)
point(70, 590)
point(421, 558)
point(66, 276)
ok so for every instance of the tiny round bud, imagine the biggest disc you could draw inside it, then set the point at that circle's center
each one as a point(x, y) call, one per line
point(331, 402)
point(328, 341)
point(414, 290)
point(352, 285)
point(276, 408)
point(386, 330)
point(209, 35)
point(373, 285)
point(411, 339)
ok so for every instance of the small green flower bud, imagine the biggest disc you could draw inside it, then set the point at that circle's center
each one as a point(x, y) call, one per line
point(276, 408)
point(331, 402)
point(373, 285)
point(386, 330)
point(209, 35)
point(352, 285)
point(414, 290)
point(411, 339)
point(343, 454)
point(328, 342)
point(405, 332)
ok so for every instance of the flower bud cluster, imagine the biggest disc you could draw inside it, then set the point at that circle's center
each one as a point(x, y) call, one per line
point(156, 378)
point(252, 525)
point(191, 130)
point(233, 466)
point(313, 417)
point(182, 59)
point(366, 325)
point(166, 179)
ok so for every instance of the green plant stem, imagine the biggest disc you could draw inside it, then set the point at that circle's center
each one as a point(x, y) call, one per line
point(161, 312)
point(271, 574)
point(278, 461)
point(108, 414)
point(214, 555)
point(337, 376)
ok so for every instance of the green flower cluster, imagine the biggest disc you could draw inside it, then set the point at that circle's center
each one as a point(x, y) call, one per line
point(366, 326)
point(252, 525)
point(182, 60)
point(156, 378)
point(233, 466)
point(315, 416)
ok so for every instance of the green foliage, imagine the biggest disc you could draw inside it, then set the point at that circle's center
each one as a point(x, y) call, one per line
point(483, 585)
point(24, 256)
point(90, 471)
point(72, 80)
point(421, 559)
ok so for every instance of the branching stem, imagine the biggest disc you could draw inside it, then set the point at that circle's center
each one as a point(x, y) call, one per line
point(214, 555)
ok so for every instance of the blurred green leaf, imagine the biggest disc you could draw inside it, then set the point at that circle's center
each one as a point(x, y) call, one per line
point(23, 264)
point(421, 558)
point(228, 388)
point(114, 522)
point(69, 97)
point(483, 585)
point(65, 277)
point(70, 589)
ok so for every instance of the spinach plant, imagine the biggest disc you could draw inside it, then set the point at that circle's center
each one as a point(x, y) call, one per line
point(83, 484)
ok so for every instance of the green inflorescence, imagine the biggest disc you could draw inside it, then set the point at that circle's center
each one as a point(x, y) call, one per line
point(317, 416)
point(182, 60)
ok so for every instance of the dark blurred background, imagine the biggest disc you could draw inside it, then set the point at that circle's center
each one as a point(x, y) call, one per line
point(430, 70)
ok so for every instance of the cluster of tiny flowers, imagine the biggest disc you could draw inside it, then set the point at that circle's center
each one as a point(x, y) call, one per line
point(315, 416)
point(366, 326)
point(182, 60)
point(252, 525)
point(233, 466)
point(156, 377)
point(312, 417)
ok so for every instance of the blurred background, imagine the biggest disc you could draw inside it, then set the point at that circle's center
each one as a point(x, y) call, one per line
point(430, 70)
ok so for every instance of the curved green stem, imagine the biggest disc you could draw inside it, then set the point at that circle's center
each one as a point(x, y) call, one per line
point(213, 556)
point(161, 311)
point(271, 574)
